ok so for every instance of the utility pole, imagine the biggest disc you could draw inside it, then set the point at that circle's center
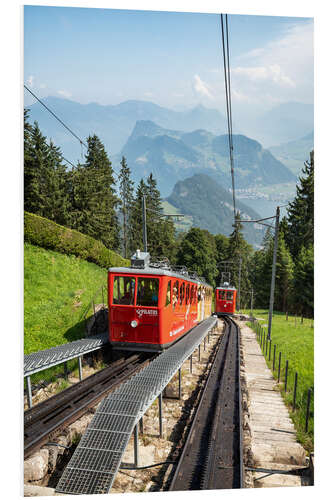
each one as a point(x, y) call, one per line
point(271, 299)
point(144, 223)
point(251, 302)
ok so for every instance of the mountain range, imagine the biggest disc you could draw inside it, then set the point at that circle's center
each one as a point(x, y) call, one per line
point(114, 123)
point(173, 155)
point(294, 153)
point(211, 207)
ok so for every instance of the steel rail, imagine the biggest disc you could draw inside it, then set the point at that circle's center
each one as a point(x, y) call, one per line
point(47, 417)
point(212, 457)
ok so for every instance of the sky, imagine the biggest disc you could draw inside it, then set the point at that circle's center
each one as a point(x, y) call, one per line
point(171, 58)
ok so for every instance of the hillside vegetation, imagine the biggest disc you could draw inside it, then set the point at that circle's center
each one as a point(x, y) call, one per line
point(57, 291)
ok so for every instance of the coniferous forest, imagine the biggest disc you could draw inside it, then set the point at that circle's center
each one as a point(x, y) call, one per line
point(92, 199)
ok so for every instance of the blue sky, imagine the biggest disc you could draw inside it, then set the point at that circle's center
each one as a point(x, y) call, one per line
point(173, 59)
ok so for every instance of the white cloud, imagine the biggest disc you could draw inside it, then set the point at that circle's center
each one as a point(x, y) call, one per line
point(30, 81)
point(148, 94)
point(42, 86)
point(201, 87)
point(64, 93)
point(281, 71)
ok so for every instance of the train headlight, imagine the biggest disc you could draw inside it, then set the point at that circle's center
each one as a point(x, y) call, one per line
point(134, 323)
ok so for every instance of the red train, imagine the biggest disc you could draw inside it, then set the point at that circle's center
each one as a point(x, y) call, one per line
point(151, 306)
point(225, 299)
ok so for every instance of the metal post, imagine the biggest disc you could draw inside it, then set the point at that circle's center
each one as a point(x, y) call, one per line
point(286, 377)
point(199, 352)
point(271, 299)
point(270, 348)
point(263, 342)
point(180, 383)
point(204, 343)
point(279, 366)
point(160, 414)
point(191, 363)
point(136, 446)
point(295, 390)
point(80, 367)
point(252, 303)
point(266, 345)
point(141, 422)
point(144, 224)
point(29, 391)
point(274, 357)
point(307, 411)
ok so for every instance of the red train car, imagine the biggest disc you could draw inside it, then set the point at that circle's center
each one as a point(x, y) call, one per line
point(225, 299)
point(150, 308)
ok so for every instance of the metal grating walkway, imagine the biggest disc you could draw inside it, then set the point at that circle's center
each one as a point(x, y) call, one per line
point(41, 360)
point(96, 460)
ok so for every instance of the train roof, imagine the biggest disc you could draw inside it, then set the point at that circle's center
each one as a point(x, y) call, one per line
point(225, 287)
point(141, 264)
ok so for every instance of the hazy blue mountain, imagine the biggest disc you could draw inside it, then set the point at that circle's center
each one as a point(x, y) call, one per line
point(283, 123)
point(114, 123)
point(211, 207)
point(173, 155)
point(294, 153)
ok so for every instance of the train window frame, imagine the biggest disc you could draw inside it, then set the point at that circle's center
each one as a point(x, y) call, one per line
point(138, 299)
point(230, 295)
point(175, 294)
point(221, 295)
point(182, 293)
point(187, 294)
point(168, 299)
point(115, 279)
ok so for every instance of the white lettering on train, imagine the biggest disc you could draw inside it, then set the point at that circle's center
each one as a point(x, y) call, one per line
point(174, 332)
point(149, 312)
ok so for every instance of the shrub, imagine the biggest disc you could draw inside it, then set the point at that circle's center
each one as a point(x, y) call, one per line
point(47, 234)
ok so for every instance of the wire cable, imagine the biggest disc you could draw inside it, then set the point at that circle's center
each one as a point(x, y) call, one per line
point(56, 117)
point(226, 65)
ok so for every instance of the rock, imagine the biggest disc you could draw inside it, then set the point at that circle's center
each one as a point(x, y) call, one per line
point(39, 491)
point(36, 466)
point(53, 456)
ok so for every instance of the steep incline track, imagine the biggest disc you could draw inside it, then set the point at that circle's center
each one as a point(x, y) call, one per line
point(49, 416)
point(212, 455)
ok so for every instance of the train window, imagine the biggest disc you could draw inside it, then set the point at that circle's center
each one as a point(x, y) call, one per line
point(175, 293)
point(230, 295)
point(147, 294)
point(168, 294)
point(123, 290)
point(192, 295)
point(187, 293)
point(221, 294)
point(182, 292)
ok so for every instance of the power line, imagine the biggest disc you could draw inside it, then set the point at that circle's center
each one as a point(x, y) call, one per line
point(226, 65)
point(57, 118)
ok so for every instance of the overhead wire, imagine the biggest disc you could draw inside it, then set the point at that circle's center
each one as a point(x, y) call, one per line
point(56, 117)
point(226, 65)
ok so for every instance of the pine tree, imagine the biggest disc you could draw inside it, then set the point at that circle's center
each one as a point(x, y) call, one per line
point(303, 292)
point(126, 196)
point(135, 219)
point(95, 201)
point(301, 211)
point(198, 254)
point(35, 170)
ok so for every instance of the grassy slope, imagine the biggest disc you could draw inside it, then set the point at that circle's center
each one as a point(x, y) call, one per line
point(57, 290)
point(295, 341)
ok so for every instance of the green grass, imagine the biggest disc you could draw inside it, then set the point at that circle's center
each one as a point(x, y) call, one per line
point(57, 291)
point(295, 340)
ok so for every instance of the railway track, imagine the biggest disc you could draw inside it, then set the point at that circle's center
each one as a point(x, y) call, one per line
point(212, 455)
point(46, 418)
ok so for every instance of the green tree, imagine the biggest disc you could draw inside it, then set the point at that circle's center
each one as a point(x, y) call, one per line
point(198, 254)
point(303, 292)
point(239, 250)
point(301, 212)
point(94, 198)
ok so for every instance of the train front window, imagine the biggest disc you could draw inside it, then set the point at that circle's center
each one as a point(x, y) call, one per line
point(147, 294)
point(123, 290)
point(230, 295)
point(221, 294)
